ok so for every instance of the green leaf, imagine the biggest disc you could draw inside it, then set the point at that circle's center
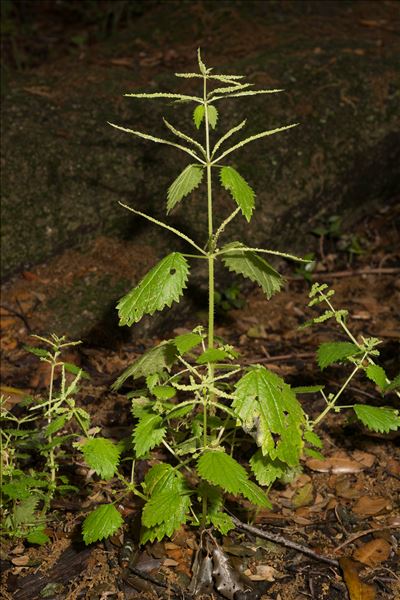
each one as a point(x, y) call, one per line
point(187, 341)
point(148, 434)
point(165, 95)
point(270, 413)
point(222, 522)
point(157, 140)
point(255, 494)
point(218, 468)
point(169, 501)
point(240, 190)
point(252, 138)
point(102, 455)
point(249, 93)
point(308, 389)
point(169, 507)
point(202, 66)
point(56, 425)
point(212, 115)
point(24, 512)
point(394, 385)
point(377, 375)
point(71, 368)
point(162, 286)
point(227, 135)
point(198, 115)
point(160, 477)
point(104, 521)
point(154, 360)
point(265, 469)
point(379, 419)
point(252, 266)
point(40, 352)
point(164, 392)
point(186, 182)
point(313, 439)
point(212, 355)
point(332, 352)
point(185, 137)
point(37, 536)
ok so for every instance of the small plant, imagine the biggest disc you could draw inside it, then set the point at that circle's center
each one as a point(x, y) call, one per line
point(27, 491)
point(198, 405)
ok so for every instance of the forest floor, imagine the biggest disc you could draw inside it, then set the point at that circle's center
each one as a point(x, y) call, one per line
point(344, 508)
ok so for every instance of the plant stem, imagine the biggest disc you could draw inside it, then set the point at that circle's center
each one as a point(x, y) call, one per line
point(211, 258)
point(332, 403)
point(49, 416)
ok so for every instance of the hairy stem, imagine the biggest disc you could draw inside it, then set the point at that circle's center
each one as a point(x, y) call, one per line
point(332, 403)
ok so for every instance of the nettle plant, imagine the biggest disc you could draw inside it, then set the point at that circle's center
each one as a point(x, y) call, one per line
point(34, 445)
point(199, 406)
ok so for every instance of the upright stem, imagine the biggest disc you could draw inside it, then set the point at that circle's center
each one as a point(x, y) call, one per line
point(211, 291)
point(49, 417)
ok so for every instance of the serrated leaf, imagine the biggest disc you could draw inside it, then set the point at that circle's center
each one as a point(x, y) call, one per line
point(160, 477)
point(222, 522)
point(37, 536)
point(164, 392)
point(164, 95)
point(157, 140)
point(102, 455)
point(167, 507)
point(212, 115)
point(202, 66)
point(332, 352)
point(377, 375)
point(154, 360)
point(163, 285)
point(71, 368)
point(252, 138)
point(103, 522)
point(255, 494)
point(40, 352)
point(240, 190)
point(198, 115)
point(228, 135)
point(150, 534)
point(218, 468)
point(266, 470)
point(313, 439)
point(308, 389)
point(187, 341)
point(314, 453)
point(248, 93)
point(56, 425)
point(24, 512)
point(18, 489)
point(252, 266)
point(271, 413)
point(148, 433)
point(393, 385)
point(212, 355)
point(379, 419)
point(185, 137)
point(186, 182)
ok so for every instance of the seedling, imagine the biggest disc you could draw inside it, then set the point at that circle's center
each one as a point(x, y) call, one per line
point(27, 492)
point(198, 405)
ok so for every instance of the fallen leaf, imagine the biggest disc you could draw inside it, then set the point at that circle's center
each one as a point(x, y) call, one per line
point(303, 496)
point(365, 458)
point(356, 588)
point(373, 553)
point(20, 561)
point(335, 464)
point(261, 573)
point(346, 488)
point(370, 505)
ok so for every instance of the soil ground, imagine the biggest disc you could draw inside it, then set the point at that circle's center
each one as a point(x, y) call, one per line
point(348, 509)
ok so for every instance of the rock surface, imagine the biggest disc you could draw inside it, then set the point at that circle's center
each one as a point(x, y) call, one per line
point(65, 169)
